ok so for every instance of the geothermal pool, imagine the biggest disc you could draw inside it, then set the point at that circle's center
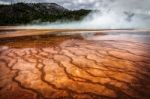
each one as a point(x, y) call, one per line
point(74, 64)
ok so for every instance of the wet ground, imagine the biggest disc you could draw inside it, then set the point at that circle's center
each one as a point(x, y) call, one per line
point(75, 64)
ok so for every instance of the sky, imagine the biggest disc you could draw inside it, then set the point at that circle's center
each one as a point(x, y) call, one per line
point(96, 4)
point(136, 6)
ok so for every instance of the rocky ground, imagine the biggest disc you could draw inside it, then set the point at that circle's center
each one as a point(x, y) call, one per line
point(74, 68)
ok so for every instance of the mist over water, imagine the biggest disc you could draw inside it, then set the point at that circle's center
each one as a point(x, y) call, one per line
point(103, 20)
point(114, 14)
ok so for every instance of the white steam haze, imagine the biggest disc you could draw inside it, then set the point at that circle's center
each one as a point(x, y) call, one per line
point(114, 14)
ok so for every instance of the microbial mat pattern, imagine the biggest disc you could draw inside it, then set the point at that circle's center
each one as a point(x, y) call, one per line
point(76, 69)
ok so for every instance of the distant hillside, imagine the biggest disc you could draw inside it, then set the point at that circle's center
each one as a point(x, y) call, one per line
point(24, 13)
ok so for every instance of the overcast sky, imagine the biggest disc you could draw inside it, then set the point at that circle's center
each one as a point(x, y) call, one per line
point(138, 5)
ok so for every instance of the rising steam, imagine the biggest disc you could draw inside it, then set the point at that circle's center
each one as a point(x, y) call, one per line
point(117, 15)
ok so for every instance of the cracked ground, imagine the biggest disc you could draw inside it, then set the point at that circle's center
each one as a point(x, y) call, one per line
point(66, 67)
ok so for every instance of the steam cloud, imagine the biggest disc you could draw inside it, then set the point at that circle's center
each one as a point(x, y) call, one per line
point(115, 14)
